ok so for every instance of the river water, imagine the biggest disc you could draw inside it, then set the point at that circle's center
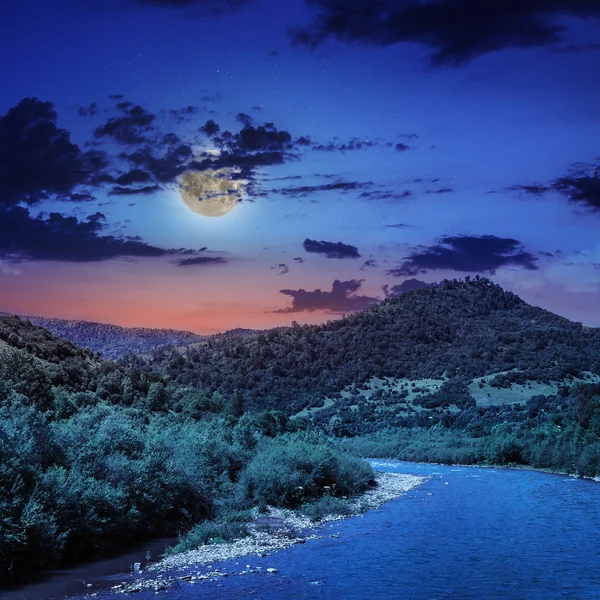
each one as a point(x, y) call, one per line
point(466, 533)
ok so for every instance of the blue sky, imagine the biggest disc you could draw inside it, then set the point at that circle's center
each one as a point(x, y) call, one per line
point(484, 161)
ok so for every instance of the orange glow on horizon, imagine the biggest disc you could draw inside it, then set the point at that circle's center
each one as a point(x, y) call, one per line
point(152, 294)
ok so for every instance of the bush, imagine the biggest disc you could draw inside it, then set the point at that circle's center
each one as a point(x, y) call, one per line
point(210, 532)
point(295, 468)
point(327, 505)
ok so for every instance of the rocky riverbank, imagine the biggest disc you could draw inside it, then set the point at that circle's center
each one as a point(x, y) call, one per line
point(268, 532)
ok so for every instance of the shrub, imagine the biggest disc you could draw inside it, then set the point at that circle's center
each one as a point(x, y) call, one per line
point(295, 468)
point(210, 532)
point(325, 506)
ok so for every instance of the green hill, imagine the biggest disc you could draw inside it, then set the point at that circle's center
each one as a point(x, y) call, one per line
point(451, 336)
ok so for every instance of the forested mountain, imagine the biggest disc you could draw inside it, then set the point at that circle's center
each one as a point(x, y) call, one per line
point(456, 331)
point(112, 341)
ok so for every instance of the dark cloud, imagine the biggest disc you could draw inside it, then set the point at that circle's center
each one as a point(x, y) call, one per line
point(244, 118)
point(170, 139)
point(429, 186)
point(342, 299)
point(385, 195)
point(123, 191)
point(38, 159)
point(60, 238)
point(246, 151)
point(210, 128)
point(401, 147)
point(153, 157)
point(535, 190)
point(581, 186)
point(338, 186)
point(371, 263)
point(132, 127)
point(134, 176)
point(286, 178)
point(446, 190)
point(166, 156)
point(456, 31)
point(335, 146)
point(262, 138)
point(469, 254)
point(247, 162)
point(183, 114)
point(281, 269)
point(165, 166)
point(80, 197)
point(399, 225)
point(89, 111)
point(201, 261)
point(331, 249)
point(299, 259)
point(410, 285)
point(422, 180)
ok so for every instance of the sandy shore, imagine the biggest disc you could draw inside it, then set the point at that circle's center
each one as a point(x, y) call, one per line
point(276, 530)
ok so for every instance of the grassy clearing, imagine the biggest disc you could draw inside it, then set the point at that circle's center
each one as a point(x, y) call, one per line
point(413, 387)
point(308, 411)
point(480, 388)
point(486, 395)
point(516, 394)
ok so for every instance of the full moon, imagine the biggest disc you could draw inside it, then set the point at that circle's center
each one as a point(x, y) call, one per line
point(212, 193)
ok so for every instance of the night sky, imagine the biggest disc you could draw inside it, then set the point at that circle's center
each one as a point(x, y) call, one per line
point(347, 146)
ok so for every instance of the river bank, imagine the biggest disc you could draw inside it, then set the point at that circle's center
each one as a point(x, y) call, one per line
point(268, 532)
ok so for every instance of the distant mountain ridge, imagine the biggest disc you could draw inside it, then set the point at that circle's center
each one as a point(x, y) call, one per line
point(112, 341)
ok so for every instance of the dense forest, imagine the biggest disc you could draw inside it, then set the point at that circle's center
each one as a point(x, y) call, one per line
point(95, 452)
point(112, 341)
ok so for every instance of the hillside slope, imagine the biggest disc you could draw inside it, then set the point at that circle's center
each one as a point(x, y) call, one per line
point(457, 331)
point(55, 375)
point(112, 341)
